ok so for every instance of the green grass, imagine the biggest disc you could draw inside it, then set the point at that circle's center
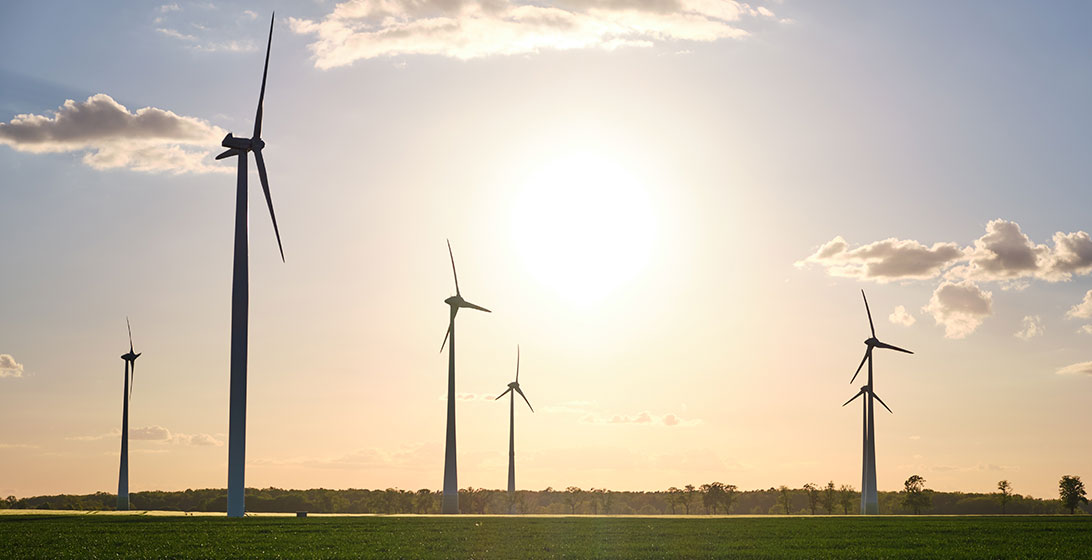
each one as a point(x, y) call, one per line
point(131, 536)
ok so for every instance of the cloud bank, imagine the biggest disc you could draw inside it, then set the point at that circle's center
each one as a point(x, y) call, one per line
point(1004, 255)
point(111, 137)
point(468, 29)
point(9, 367)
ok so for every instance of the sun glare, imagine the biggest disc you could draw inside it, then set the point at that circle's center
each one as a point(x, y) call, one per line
point(584, 226)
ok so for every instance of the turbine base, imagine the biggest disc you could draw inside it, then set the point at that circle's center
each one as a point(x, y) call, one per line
point(450, 504)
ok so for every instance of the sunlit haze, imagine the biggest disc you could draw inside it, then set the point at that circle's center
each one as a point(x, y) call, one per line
point(672, 212)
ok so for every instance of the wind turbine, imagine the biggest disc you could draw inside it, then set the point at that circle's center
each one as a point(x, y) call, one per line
point(869, 500)
point(451, 475)
point(130, 370)
point(240, 294)
point(513, 388)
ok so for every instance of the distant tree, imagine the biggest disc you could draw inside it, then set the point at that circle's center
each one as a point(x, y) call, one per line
point(674, 496)
point(728, 497)
point(813, 496)
point(846, 493)
point(596, 498)
point(689, 492)
point(9, 502)
point(712, 495)
point(573, 496)
point(830, 495)
point(608, 501)
point(1071, 489)
point(1004, 493)
point(784, 498)
point(915, 495)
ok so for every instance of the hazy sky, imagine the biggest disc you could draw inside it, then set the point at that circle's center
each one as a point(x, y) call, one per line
point(670, 205)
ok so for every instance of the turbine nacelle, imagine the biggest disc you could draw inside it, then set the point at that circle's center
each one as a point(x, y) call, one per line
point(458, 302)
point(130, 357)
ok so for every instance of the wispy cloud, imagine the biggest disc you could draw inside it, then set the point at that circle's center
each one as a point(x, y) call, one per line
point(111, 137)
point(9, 367)
point(1032, 327)
point(468, 29)
point(156, 434)
point(641, 418)
point(1081, 368)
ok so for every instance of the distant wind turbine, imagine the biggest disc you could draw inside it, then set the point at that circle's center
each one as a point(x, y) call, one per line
point(240, 294)
point(130, 374)
point(513, 388)
point(869, 500)
point(451, 475)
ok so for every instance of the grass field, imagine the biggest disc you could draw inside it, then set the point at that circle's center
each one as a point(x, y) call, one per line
point(134, 536)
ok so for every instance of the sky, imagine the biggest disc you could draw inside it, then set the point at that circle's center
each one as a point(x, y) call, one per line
point(671, 206)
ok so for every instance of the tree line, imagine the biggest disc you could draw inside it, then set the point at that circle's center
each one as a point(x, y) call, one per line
point(714, 498)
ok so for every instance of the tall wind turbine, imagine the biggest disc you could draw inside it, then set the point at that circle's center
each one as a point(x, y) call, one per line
point(240, 294)
point(870, 504)
point(451, 475)
point(513, 388)
point(130, 370)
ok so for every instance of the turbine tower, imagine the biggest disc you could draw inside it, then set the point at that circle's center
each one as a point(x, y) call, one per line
point(869, 501)
point(240, 294)
point(123, 474)
point(513, 388)
point(451, 475)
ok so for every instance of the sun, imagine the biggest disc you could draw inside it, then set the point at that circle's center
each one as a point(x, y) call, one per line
point(584, 226)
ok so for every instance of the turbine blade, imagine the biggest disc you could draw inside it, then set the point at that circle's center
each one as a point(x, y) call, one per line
point(863, 360)
point(447, 334)
point(517, 363)
point(503, 394)
point(890, 347)
point(228, 153)
point(870, 325)
point(881, 402)
point(472, 306)
point(859, 393)
point(130, 334)
point(455, 274)
point(520, 391)
point(265, 72)
point(268, 200)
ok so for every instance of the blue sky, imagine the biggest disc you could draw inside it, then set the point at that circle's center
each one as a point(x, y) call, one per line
point(742, 155)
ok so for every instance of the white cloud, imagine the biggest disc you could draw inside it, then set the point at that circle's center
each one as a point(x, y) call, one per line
point(467, 29)
point(901, 317)
point(1003, 253)
point(884, 261)
point(1082, 368)
point(9, 367)
point(1082, 310)
point(960, 307)
point(250, 14)
point(1086, 329)
point(1032, 327)
point(110, 137)
point(169, 8)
